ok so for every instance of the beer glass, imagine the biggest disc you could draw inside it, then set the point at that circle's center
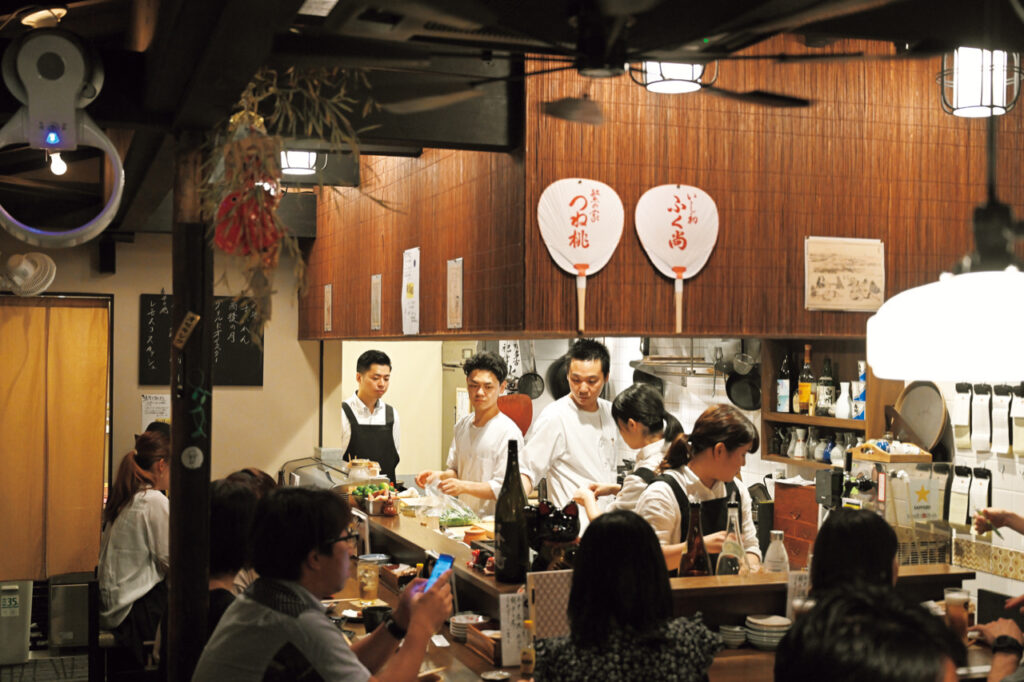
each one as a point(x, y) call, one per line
point(957, 600)
point(367, 572)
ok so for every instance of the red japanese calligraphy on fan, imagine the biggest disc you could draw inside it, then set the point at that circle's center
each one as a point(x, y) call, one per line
point(678, 227)
point(581, 222)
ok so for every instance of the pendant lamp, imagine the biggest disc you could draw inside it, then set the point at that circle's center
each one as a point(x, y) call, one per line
point(673, 78)
point(302, 162)
point(976, 83)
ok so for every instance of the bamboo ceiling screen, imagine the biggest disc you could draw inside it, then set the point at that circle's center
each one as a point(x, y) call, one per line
point(54, 369)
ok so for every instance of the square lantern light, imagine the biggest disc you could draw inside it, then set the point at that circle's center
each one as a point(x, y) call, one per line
point(302, 162)
point(976, 83)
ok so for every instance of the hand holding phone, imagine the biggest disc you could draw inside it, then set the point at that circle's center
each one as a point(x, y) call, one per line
point(443, 563)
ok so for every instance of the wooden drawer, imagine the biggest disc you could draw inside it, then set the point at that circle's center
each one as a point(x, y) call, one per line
point(797, 530)
point(798, 551)
point(795, 503)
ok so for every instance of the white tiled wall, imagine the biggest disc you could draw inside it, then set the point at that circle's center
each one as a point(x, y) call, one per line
point(1007, 493)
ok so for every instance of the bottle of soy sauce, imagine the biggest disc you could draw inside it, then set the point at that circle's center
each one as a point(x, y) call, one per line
point(511, 544)
point(696, 560)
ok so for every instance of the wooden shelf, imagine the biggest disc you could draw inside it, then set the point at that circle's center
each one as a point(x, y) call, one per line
point(806, 463)
point(808, 420)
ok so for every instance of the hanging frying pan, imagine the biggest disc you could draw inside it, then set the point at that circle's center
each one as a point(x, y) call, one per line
point(558, 377)
point(744, 390)
point(531, 383)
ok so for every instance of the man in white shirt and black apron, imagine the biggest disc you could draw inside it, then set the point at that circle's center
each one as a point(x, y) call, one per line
point(369, 429)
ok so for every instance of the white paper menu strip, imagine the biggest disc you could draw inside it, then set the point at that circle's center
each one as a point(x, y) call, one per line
point(981, 423)
point(513, 612)
point(411, 291)
point(959, 498)
point(1001, 424)
point(375, 294)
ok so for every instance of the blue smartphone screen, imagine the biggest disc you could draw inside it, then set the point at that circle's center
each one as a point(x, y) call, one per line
point(443, 563)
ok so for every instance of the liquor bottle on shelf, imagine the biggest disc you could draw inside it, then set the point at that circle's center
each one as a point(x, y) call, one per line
point(805, 387)
point(733, 558)
point(511, 545)
point(776, 559)
point(826, 390)
point(696, 560)
point(784, 386)
point(844, 406)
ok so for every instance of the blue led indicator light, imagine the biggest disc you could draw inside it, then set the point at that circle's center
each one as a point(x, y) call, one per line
point(52, 137)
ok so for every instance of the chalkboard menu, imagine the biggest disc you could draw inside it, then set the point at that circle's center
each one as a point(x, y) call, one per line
point(237, 361)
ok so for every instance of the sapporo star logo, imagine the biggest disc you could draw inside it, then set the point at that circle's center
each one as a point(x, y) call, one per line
point(922, 494)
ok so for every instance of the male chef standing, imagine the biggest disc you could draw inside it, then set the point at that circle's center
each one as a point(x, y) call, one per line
point(369, 428)
point(475, 468)
point(572, 442)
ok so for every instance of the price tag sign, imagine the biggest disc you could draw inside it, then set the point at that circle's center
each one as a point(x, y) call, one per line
point(10, 604)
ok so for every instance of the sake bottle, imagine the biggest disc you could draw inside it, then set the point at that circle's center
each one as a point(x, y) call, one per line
point(511, 545)
point(733, 559)
point(695, 561)
point(805, 386)
point(784, 386)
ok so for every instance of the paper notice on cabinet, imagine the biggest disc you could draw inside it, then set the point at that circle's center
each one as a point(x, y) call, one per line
point(375, 294)
point(454, 290)
point(155, 407)
point(411, 291)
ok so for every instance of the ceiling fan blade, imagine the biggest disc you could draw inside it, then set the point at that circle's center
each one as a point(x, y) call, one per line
point(417, 105)
point(575, 109)
point(768, 99)
point(622, 8)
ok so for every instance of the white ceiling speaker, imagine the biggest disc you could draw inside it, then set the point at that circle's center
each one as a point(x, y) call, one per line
point(48, 70)
point(28, 275)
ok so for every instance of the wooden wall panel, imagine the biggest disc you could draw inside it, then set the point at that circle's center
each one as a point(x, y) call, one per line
point(875, 157)
point(449, 203)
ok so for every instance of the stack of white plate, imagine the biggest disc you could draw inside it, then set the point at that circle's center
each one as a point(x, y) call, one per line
point(733, 635)
point(460, 622)
point(765, 632)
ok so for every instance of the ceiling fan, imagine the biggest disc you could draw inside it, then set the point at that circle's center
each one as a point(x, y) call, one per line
point(604, 48)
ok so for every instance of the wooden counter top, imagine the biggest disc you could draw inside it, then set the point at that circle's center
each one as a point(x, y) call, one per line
point(720, 599)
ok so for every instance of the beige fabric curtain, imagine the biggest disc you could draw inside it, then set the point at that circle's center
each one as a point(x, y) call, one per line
point(53, 397)
point(76, 402)
point(22, 441)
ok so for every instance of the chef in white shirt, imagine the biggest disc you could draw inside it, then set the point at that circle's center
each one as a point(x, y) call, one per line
point(645, 427)
point(475, 467)
point(572, 442)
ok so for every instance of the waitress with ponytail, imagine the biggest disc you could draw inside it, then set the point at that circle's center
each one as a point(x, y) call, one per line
point(645, 426)
point(703, 467)
point(134, 547)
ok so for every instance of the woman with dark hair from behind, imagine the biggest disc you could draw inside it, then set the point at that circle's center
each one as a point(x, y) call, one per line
point(704, 467)
point(232, 508)
point(853, 547)
point(134, 548)
point(261, 483)
point(620, 613)
point(645, 426)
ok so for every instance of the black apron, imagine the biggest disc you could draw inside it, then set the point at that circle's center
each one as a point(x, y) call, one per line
point(373, 441)
point(714, 514)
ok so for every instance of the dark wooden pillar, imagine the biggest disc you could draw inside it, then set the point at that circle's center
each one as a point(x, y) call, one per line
point(191, 412)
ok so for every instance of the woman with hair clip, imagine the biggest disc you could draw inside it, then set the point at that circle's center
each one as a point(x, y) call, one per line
point(134, 547)
point(703, 467)
point(620, 614)
point(645, 426)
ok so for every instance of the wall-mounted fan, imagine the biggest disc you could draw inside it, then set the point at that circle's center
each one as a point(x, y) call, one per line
point(28, 274)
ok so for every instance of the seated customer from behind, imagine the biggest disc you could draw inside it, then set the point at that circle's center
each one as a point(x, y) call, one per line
point(620, 613)
point(476, 460)
point(853, 547)
point(232, 508)
point(868, 634)
point(278, 629)
point(134, 549)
